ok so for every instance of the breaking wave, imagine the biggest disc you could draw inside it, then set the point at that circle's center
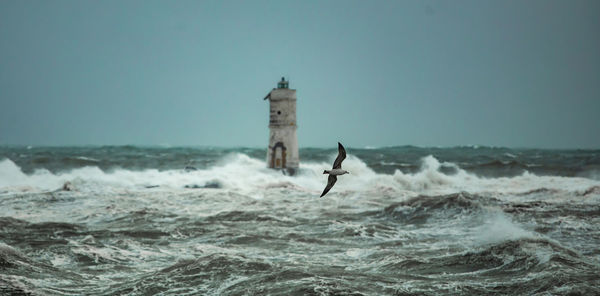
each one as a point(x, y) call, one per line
point(249, 176)
point(240, 172)
point(230, 226)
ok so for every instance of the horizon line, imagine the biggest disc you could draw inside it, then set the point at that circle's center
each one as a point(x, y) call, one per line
point(365, 147)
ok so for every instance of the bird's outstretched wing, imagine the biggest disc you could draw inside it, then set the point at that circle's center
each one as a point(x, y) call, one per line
point(337, 164)
point(330, 181)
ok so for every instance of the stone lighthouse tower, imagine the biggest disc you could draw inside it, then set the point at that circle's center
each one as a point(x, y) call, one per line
point(283, 142)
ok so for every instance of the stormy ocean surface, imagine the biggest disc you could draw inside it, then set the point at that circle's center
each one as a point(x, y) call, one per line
point(407, 220)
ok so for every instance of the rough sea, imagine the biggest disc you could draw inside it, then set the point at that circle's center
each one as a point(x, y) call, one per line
point(406, 221)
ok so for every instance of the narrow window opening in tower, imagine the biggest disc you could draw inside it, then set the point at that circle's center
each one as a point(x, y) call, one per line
point(278, 112)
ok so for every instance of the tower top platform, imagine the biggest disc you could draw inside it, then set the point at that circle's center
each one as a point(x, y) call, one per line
point(283, 83)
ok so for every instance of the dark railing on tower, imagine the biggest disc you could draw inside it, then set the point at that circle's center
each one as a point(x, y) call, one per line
point(283, 83)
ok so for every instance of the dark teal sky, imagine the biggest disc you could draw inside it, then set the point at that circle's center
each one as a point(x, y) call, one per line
point(426, 73)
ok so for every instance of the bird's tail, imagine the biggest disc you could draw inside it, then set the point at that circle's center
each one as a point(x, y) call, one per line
point(325, 172)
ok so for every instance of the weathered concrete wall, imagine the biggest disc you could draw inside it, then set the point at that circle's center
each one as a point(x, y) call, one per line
point(283, 141)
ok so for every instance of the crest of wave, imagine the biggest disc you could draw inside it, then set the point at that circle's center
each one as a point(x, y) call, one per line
point(430, 180)
point(233, 171)
point(250, 176)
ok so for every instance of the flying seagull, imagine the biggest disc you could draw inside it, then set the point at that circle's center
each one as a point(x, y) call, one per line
point(337, 169)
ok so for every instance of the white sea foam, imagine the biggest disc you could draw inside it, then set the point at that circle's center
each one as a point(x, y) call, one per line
point(430, 180)
point(498, 227)
point(87, 158)
point(250, 176)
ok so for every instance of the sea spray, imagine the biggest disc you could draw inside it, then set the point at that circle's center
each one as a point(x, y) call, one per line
point(430, 221)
